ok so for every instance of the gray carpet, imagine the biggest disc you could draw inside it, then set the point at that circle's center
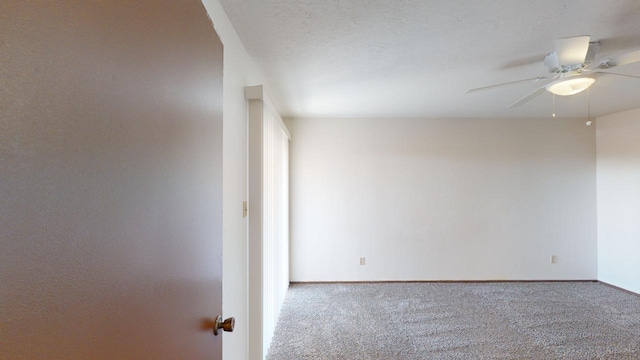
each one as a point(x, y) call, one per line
point(577, 320)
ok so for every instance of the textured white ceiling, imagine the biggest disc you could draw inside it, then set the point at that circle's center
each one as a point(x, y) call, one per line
point(416, 58)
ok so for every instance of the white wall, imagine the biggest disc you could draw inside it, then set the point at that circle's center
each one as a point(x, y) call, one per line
point(455, 199)
point(239, 71)
point(618, 179)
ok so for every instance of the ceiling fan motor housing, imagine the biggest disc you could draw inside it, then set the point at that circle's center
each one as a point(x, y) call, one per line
point(551, 61)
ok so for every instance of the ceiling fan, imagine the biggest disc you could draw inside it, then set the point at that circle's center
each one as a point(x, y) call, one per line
point(573, 67)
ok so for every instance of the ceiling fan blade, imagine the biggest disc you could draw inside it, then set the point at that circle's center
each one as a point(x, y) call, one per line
point(528, 97)
point(601, 73)
point(523, 61)
point(535, 79)
point(572, 50)
point(624, 59)
point(594, 49)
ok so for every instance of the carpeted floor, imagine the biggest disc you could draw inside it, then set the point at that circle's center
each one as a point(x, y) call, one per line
point(576, 320)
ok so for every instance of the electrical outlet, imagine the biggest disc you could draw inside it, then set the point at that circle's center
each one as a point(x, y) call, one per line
point(553, 259)
point(362, 261)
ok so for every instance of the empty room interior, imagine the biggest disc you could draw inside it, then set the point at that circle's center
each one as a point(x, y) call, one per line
point(385, 179)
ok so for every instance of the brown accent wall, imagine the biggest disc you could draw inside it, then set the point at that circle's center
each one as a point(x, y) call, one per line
point(110, 180)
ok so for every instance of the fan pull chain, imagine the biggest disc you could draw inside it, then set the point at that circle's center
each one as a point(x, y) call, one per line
point(553, 96)
point(588, 107)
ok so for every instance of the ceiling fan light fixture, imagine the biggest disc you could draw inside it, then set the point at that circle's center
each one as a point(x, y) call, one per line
point(570, 86)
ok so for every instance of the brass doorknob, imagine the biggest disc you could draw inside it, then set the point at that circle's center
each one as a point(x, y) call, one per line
point(226, 325)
